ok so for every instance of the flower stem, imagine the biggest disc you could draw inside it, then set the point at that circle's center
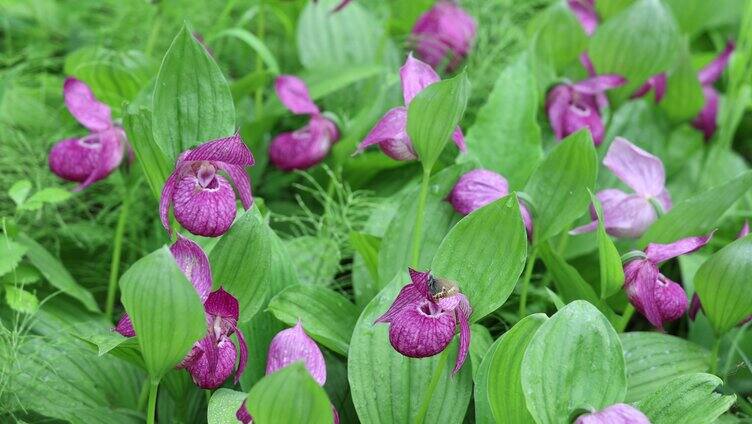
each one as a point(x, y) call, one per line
point(526, 281)
point(714, 356)
point(419, 218)
point(625, 317)
point(117, 247)
point(437, 372)
point(152, 411)
point(260, 33)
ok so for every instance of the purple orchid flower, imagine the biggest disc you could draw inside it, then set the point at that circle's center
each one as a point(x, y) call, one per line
point(212, 359)
point(695, 305)
point(480, 187)
point(423, 318)
point(203, 200)
point(630, 215)
point(309, 145)
point(390, 133)
point(287, 347)
point(573, 106)
point(655, 296)
point(584, 10)
point(619, 413)
point(444, 32)
point(705, 121)
point(91, 158)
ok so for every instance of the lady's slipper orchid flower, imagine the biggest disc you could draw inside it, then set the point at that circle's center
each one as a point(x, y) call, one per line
point(309, 145)
point(573, 106)
point(584, 10)
point(619, 413)
point(88, 159)
point(444, 32)
point(287, 347)
point(655, 296)
point(203, 200)
point(706, 119)
point(390, 133)
point(423, 318)
point(480, 187)
point(212, 359)
point(630, 215)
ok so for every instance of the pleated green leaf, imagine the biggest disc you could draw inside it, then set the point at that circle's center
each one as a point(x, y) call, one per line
point(390, 388)
point(559, 37)
point(289, 396)
point(165, 309)
point(433, 116)
point(722, 283)
point(192, 101)
point(327, 316)
point(684, 97)
point(241, 262)
point(484, 254)
point(504, 383)
point(654, 359)
point(688, 399)
point(574, 361)
point(609, 261)
point(137, 125)
point(699, 214)
point(223, 405)
point(559, 185)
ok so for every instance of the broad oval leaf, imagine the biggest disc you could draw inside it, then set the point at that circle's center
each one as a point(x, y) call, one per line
point(688, 399)
point(289, 396)
point(165, 309)
point(390, 388)
point(684, 97)
point(609, 261)
point(654, 359)
point(575, 360)
point(505, 393)
point(192, 101)
point(559, 37)
point(433, 116)
point(559, 186)
point(327, 316)
point(639, 42)
point(242, 262)
point(722, 283)
point(485, 254)
point(697, 215)
point(137, 125)
point(223, 405)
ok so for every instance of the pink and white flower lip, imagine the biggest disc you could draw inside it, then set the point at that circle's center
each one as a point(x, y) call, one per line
point(620, 413)
point(390, 133)
point(656, 297)
point(203, 200)
point(480, 187)
point(423, 318)
point(91, 158)
point(630, 215)
point(306, 147)
point(444, 33)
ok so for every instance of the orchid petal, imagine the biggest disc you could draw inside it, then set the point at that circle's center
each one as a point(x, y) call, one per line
point(599, 84)
point(557, 106)
point(108, 159)
point(84, 106)
point(713, 70)
point(390, 133)
point(584, 115)
point(658, 253)
point(670, 298)
point(243, 415)
point(165, 199)
point(230, 150)
point(640, 170)
point(463, 316)
point(694, 307)
point(630, 217)
point(476, 189)
point(705, 120)
point(587, 64)
point(406, 297)
point(207, 376)
point(207, 212)
point(443, 32)
point(293, 93)
point(243, 355)
point(459, 139)
point(584, 10)
point(193, 262)
point(422, 330)
point(619, 413)
point(242, 182)
point(744, 231)
point(293, 345)
point(305, 147)
point(73, 159)
point(222, 304)
point(421, 280)
point(640, 278)
point(125, 326)
point(659, 83)
point(416, 76)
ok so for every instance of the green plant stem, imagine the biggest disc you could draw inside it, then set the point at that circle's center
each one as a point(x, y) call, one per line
point(260, 33)
point(526, 282)
point(419, 218)
point(714, 356)
point(626, 316)
point(151, 412)
point(437, 372)
point(117, 247)
point(143, 396)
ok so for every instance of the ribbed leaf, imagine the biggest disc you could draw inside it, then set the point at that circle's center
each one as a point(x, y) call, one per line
point(192, 101)
point(689, 399)
point(327, 316)
point(433, 116)
point(609, 261)
point(484, 254)
point(223, 405)
point(559, 186)
point(150, 156)
point(289, 396)
point(504, 383)
point(165, 309)
point(722, 283)
point(654, 359)
point(575, 360)
point(256, 44)
point(390, 388)
point(684, 98)
point(559, 37)
point(480, 341)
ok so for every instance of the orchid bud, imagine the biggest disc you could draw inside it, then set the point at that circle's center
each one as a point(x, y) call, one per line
point(619, 413)
point(444, 32)
point(584, 10)
point(293, 345)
